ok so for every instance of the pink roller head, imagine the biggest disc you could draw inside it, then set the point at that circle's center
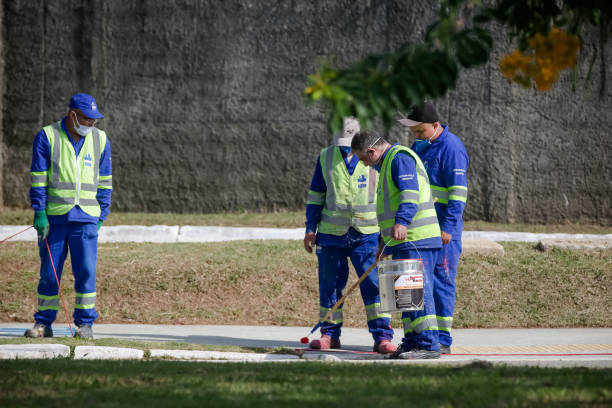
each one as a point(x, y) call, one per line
point(304, 340)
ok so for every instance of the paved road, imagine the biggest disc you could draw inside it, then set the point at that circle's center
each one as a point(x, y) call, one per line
point(539, 347)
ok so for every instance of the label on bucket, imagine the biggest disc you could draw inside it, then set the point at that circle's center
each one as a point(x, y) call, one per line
point(408, 282)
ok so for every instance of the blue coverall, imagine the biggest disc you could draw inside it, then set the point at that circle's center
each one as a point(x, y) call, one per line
point(332, 253)
point(446, 162)
point(418, 330)
point(74, 230)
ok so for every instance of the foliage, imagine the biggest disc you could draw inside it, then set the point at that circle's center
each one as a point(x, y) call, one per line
point(380, 86)
point(547, 56)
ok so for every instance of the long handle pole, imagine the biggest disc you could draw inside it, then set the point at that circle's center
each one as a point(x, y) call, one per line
point(338, 303)
point(59, 288)
point(14, 235)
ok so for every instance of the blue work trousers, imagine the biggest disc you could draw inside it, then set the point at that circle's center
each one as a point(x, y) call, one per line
point(420, 327)
point(333, 277)
point(82, 240)
point(444, 289)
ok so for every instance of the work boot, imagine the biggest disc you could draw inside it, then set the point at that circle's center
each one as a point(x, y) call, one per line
point(39, 330)
point(398, 350)
point(84, 332)
point(384, 347)
point(325, 343)
point(416, 354)
point(444, 349)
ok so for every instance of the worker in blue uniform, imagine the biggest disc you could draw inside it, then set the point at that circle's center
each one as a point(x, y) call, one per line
point(446, 162)
point(71, 188)
point(409, 230)
point(341, 221)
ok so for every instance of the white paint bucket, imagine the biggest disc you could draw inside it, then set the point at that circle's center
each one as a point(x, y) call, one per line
point(401, 285)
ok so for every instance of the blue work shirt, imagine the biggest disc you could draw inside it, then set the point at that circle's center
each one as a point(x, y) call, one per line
point(313, 211)
point(446, 162)
point(404, 176)
point(41, 161)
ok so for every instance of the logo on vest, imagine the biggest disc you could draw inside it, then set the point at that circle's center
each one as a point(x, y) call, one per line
point(87, 160)
point(361, 182)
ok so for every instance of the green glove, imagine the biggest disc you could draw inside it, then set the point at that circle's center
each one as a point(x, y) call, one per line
point(41, 224)
point(99, 224)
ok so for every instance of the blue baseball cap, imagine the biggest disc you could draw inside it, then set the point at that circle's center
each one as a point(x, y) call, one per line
point(87, 104)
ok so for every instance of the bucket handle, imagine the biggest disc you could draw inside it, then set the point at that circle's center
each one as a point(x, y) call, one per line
point(391, 240)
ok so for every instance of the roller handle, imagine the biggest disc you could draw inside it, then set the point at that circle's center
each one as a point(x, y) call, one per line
point(338, 303)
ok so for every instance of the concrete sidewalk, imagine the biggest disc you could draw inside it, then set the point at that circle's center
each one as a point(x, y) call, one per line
point(537, 347)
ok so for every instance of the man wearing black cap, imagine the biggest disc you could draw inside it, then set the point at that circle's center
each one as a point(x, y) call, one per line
point(71, 192)
point(446, 162)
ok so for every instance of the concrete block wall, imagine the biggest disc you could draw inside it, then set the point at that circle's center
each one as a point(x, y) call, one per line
point(205, 111)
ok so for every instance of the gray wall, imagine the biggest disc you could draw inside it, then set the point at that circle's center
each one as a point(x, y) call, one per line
point(205, 112)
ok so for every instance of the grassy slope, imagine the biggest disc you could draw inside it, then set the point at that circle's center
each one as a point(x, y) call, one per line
point(282, 219)
point(274, 282)
point(184, 384)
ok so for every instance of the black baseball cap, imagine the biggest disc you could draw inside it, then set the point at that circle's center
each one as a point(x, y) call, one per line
point(425, 113)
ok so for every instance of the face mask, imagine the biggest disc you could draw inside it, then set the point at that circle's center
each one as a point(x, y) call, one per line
point(81, 130)
point(345, 149)
point(421, 145)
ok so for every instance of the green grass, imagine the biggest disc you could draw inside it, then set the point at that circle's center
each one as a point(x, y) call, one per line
point(64, 383)
point(282, 219)
point(275, 283)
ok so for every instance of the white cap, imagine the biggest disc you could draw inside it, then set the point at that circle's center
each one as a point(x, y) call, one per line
point(409, 122)
point(351, 126)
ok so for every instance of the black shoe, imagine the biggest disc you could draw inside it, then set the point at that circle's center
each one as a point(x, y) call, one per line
point(400, 349)
point(84, 332)
point(39, 330)
point(445, 349)
point(419, 354)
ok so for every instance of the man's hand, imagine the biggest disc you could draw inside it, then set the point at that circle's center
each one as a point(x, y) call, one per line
point(41, 224)
point(309, 241)
point(398, 232)
point(446, 238)
point(99, 224)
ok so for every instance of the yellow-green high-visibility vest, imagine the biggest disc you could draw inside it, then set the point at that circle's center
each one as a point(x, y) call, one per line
point(74, 180)
point(350, 199)
point(425, 222)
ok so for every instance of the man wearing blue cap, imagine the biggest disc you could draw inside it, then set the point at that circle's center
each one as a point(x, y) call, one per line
point(71, 192)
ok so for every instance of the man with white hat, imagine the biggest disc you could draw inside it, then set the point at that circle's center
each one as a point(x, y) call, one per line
point(446, 162)
point(341, 221)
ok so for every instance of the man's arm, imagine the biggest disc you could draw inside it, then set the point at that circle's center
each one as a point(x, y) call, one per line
point(404, 176)
point(105, 182)
point(41, 161)
point(454, 172)
point(314, 206)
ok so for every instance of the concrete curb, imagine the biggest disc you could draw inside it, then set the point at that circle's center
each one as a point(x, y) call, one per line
point(139, 233)
point(220, 355)
point(549, 243)
point(106, 353)
point(217, 234)
point(481, 247)
point(28, 351)
point(175, 233)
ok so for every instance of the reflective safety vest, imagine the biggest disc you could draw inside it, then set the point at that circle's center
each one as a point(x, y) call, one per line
point(350, 199)
point(444, 194)
point(73, 180)
point(425, 222)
